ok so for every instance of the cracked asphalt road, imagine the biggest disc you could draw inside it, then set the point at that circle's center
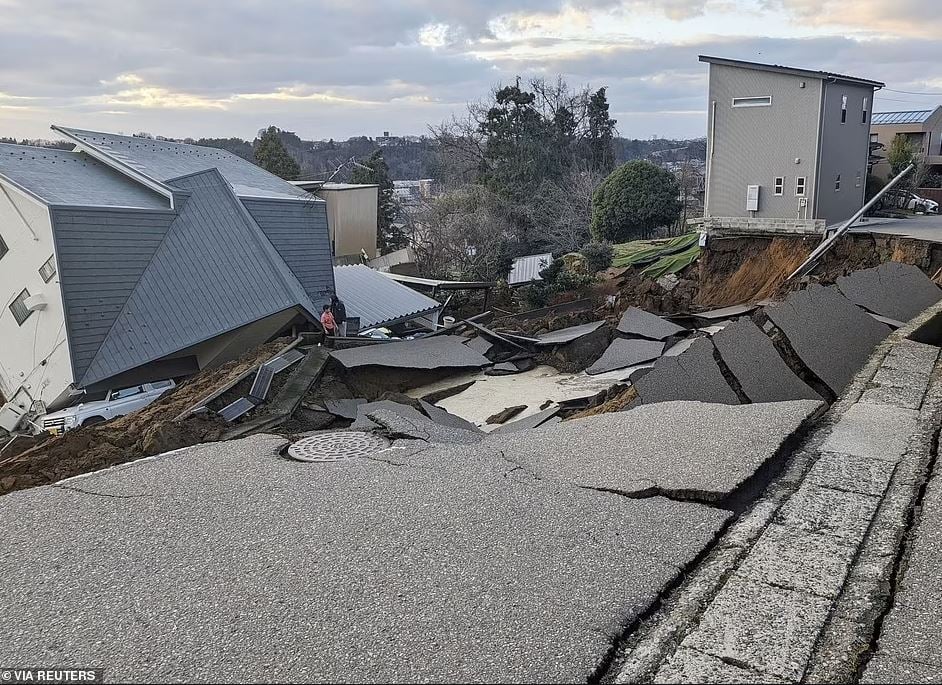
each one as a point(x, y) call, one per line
point(226, 562)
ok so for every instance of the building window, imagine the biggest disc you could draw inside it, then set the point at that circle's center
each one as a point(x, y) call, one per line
point(843, 109)
point(864, 114)
point(48, 270)
point(800, 186)
point(874, 137)
point(837, 183)
point(3, 248)
point(760, 101)
point(779, 185)
point(20, 311)
point(857, 180)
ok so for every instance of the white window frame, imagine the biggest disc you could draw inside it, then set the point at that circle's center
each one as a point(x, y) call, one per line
point(48, 270)
point(843, 109)
point(753, 101)
point(801, 184)
point(865, 115)
point(837, 184)
point(19, 309)
point(778, 186)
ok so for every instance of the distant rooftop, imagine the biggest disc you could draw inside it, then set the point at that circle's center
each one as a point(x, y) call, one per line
point(61, 177)
point(810, 73)
point(162, 161)
point(916, 116)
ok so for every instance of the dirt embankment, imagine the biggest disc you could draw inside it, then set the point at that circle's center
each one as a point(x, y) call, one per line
point(738, 270)
point(150, 431)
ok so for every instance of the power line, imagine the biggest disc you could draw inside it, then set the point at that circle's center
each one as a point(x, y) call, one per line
point(912, 92)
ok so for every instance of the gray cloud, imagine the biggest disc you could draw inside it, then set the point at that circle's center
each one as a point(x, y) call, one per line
point(335, 68)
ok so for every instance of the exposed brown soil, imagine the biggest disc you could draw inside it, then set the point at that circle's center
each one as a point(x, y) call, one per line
point(618, 400)
point(149, 431)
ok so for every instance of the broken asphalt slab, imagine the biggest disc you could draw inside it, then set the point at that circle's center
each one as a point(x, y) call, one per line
point(531, 421)
point(567, 335)
point(691, 450)
point(646, 325)
point(762, 373)
point(894, 290)
point(446, 351)
point(623, 353)
point(397, 420)
point(447, 563)
point(691, 375)
point(831, 336)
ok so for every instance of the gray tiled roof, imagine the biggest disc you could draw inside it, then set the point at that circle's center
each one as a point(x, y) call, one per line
point(378, 300)
point(73, 178)
point(212, 273)
point(912, 117)
point(163, 160)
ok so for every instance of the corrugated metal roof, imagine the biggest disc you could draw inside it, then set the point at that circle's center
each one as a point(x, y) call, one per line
point(527, 269)
point(377, 300)
point(812, 73)
point(163, 161)
point(911, 117)
point(73, 178)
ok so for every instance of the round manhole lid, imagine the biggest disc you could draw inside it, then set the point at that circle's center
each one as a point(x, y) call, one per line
point(337, 446)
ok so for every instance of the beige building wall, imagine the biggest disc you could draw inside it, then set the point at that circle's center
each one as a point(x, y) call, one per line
point(351, 217)
point(925, 136)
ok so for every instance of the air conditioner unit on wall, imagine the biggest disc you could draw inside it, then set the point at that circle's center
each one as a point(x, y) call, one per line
point(36, 303)
point(752, 198)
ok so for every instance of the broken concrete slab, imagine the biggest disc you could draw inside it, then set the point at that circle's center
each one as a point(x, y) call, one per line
point(886, 670)
point(531, 578)
point(689, 449)
point(623, 353)
point(646, 325)
point(692, 375)
point(504, 415)
point(446, 418)
point(480, 344)
point(725, 312)
point(828, 511)
point(762, 373)
point(531, 421)
point(446, 351)
point(851, 473)
point(396, 420)
point(688, 665)
point(832, 336)
point(680, 347)
point(876, 431)
point(344, 408)
point(798, 560)
point(502, 369)
point(567, 335)
point(769, 629)
point(895, 290)
point(892, 323)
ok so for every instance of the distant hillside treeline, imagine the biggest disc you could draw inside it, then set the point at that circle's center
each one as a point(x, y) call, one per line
point(407, 158)
point(414, 158)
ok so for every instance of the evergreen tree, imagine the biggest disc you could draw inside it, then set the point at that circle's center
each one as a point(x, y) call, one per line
point(601, 133)
point(635, 199)
point(271, 155)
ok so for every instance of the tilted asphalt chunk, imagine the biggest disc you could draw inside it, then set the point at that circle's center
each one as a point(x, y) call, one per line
point(762, 373)
point(693, 375)
point(832, 336)
point(894, 290)
point(647, 325)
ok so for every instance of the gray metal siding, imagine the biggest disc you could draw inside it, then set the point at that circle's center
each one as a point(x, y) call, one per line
point(845, 149)
point(753, 145)
point(212, 273)
point(101, 255)
point(298, 232)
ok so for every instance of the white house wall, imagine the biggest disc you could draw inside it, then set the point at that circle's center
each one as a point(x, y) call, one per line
point(34, 356)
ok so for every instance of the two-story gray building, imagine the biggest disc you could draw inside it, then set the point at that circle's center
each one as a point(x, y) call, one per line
point(785, 142)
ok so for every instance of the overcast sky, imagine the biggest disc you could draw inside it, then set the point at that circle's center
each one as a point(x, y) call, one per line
point(337, 68)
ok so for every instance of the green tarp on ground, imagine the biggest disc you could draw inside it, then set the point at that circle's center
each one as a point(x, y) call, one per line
point(658, 257)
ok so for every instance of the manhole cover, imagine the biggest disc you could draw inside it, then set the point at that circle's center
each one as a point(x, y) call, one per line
point(337, 446)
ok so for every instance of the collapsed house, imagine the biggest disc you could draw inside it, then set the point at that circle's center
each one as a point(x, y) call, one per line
point(130, 260)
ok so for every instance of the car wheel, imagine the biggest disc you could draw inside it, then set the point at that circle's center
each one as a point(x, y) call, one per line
point(92, 420)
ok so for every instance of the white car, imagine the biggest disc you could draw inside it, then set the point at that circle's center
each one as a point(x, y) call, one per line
point(116, 403)
point(922, 204)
